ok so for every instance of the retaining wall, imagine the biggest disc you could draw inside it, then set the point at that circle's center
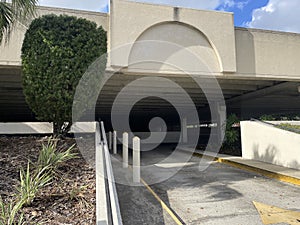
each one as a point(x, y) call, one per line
point(269, 144)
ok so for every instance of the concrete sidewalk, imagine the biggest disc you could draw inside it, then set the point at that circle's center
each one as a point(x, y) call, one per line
point(266, 169)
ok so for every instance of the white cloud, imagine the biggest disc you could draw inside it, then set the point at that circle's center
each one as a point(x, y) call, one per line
point(228, 3)
point(241, 5)
point(280, 15)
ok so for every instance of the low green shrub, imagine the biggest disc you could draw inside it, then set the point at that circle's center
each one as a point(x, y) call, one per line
point(267, 118)
point(56, 52)
point(231, 144)
point(279, 117)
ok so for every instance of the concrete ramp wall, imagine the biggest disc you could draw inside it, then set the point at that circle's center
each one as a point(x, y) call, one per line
point(269, 144)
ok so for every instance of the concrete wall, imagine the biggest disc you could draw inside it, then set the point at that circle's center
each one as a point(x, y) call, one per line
point(267, 53)
point(43, 128)
point(266, 143)
point(10, 53)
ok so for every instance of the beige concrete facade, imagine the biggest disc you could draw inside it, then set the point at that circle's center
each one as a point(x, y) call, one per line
point(209, 35)
point(267, 54)
point(257, 70)
point(175, 25)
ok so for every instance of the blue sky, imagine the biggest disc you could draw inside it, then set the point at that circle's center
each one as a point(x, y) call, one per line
point(243, 10)
point(279, 15)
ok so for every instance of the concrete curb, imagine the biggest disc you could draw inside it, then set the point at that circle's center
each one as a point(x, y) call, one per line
point(232, 161)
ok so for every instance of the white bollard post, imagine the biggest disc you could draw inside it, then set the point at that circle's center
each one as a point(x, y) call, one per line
point(109, 140)
point(125, 150)
point(136, 160)
point(115, 143)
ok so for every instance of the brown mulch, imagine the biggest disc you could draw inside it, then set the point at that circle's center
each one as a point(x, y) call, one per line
point(69, 199)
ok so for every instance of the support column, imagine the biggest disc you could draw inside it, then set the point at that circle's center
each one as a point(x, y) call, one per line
point(136, 160)
point(220, 111)
point(125, 150)
point(184, 138)
point(115, 143)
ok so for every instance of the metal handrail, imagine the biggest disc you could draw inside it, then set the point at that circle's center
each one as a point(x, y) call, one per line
point(102, 200)
point(114, 203)
point(103, 133)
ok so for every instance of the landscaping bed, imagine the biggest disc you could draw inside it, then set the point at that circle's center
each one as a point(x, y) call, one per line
point(289, 127)
point(69, 199)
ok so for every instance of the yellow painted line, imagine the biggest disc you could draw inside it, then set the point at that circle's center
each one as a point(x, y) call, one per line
point(266, 173)
point(274, 215)
point(163, 205)
point(173, 215)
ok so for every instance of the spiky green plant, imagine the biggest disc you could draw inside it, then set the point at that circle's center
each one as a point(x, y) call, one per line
point(32, 180)
point(52, 158)
point(31, 183)
point(10, 213)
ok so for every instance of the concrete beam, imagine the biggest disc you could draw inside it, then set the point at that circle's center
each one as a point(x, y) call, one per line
point(262, 92)
point(189, 86)
point(150, 90)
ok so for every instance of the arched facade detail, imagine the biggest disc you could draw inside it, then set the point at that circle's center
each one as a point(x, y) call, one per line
point(169, 43)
